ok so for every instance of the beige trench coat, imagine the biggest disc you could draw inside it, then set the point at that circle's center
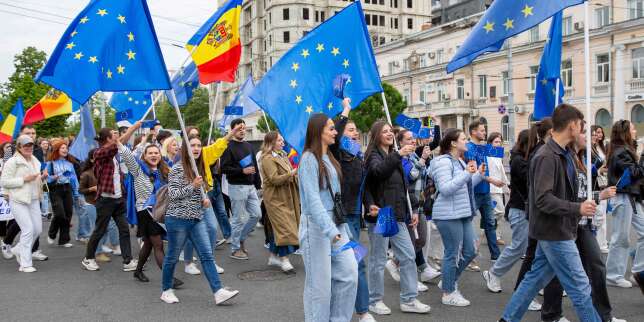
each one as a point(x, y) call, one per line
point(281, 199)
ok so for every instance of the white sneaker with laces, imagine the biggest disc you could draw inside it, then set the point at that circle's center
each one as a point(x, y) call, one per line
point(89, 264)
point(131, 266)
point(274, 261)
point(169, 297)
point(67, 245)
point(50, 241)
point(623, 283)
point(220, 270)
point(380, 308)
point(392, 268)
point(29, 269)
point(6, 250)
point(366, 318)
point(192, 269)
point(562, 319)
point(492, 282)
point(415, 306)
point(534, 306)
point(614, 319)
point(39, 256)
point(286, 265)
point(422, 287)
point(117, 251)
point(16, 254)
point(455, 299)
point(428, 274)
point(106, 250)
point(224, 294)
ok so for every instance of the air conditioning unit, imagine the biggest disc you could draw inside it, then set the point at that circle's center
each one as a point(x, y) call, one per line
point(519, 109)
point(579, 26)
point(431, 55)
point(475, 113)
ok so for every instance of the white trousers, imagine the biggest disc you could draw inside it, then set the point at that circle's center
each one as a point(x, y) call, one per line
point(29, 219)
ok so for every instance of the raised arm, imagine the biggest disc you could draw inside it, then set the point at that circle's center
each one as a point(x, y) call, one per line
point(129, 160)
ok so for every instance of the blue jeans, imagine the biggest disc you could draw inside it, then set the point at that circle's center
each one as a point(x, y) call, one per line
point(246, 212)
point(85, 221)
point(406, 256)
point(488, 222)
point(44, 204)
point(362, 299)
point(623, 219)
point(554, 258)
point(331, 282)
point(513, 253)
point(217, 200)
point(457, 235)
point(180, 231)
point(211, 229)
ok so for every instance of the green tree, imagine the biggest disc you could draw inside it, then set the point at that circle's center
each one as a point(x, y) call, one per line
point(97, 101)
point(261, 124)
point(195, 113)
point(372, 109)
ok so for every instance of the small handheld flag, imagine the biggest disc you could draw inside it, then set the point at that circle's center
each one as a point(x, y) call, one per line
point(247, 161)
point(242, 103)
point(338, 85)
point(233, 110)
point(350, 146)
point(12, 124)
point(411, 124)
point(425, 133)
point(130, 106)
point(625, 180)
point(359, 251)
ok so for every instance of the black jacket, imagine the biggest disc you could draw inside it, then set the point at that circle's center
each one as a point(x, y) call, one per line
point(385, 186)
point(619, 161)
point(231, 167)
point(433, 145)
point(554, 210)
point(351, 172)
point(518, 181)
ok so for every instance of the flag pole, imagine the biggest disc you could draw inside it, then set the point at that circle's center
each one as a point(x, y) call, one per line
point(588, 107)
point(268, 127)
point(214, 113)
point(384, 103)
point(557, 91)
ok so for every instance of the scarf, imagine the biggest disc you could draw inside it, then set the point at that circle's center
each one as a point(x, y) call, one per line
point(407, 166)
point(157, 183)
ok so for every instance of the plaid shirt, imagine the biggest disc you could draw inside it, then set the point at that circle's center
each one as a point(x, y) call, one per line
point(104, 168)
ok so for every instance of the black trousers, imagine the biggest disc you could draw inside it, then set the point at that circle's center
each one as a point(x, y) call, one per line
point(551, 309)
point(62, 204)
point(595, 268)
point(107, 208)
point(13, 230)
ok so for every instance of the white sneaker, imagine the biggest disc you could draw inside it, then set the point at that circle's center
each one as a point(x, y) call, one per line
point(562, 319)
point(440, 285)
point(392, 268)
point(29, 269)
point(534, 306)
point(415, 306)
point(117, 251)
point(422, 287)
point(192, 269)
point(169, 297)
point(67, 245)
point(131, 266)
point(89, 264)
point(428, 274)
point(6, 250)
point(623, 283)
point(224, 294)
point(604, 250)
point(39, 256)
point(367, 318)
point(50, 241)
point(274, 261)
point(614, 319)
point(220, 270)
point(286, 265)
point(541, 292)
point(492, 282)
point(380, 308)
point(106, 250)
point(16, 254)
point(455, 299)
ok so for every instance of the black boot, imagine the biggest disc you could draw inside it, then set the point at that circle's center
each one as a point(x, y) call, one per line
point(176, 283)
point(639, 278)
point(141, 277)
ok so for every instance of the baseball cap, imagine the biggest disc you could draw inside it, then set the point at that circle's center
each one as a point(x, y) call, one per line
point(24, 140)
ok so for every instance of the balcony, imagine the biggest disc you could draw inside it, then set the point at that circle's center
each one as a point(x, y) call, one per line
point(637, 84)
point(457, 106)
point(601, 88)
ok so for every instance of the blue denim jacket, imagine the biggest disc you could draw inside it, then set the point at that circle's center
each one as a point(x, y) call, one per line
point(317, 205)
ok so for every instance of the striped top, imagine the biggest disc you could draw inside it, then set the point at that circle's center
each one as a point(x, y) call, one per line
point(143, 184)
point(184, 200)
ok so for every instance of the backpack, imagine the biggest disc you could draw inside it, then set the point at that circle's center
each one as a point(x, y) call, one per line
point(161, 205)
point(429, 194)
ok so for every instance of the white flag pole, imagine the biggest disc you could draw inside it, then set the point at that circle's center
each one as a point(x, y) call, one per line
point(588, 107)
point(268, 127)
point(214, 113)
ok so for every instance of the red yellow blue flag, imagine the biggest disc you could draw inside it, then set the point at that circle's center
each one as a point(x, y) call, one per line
point(12, 124)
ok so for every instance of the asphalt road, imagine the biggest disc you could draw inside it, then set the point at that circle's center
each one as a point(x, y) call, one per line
point(62, 291)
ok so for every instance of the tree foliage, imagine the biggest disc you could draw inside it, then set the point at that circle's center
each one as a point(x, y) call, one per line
point(97, 101)
point(372, 109)
point(195, 113)
point(261, 124)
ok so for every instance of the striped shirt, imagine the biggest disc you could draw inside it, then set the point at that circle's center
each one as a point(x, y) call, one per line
point(143, 184)
point(184, 200)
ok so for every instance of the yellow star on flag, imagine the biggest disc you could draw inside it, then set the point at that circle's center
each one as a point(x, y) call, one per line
point(330, 106)
point(84, 20)
point(70, 45)
point(79, 55)
point(73, 33)
point(305, 53)
point(349, 80)
point(544, 82)
point(101, 12)
point(121, 18)
point(130, 55)
point(130, 36)
point(295, 67)
point(293, 83)
point(527, 11)
point(93, 59)
point(335, 51)
point(309, 109)
point(129, 99)
point(320, 48)
point(489, 26)
point(109, 74)
point(345, 63)
point(120, 69)
point(509, 24)
point(136, 102)
point(298, 99)
point(554, 92)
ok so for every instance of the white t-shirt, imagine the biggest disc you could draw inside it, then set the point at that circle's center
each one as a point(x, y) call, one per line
point(116, 177)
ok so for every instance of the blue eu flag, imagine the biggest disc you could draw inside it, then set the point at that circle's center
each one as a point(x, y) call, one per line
point(504, 19)
point(301, 82)
point(130, 106)
point(110, 46)
point(241, 104)
point(545, 97)
point(85, 139)
point(183, 84)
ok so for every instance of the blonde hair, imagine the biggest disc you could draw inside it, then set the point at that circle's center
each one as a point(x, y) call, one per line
point(166, 145)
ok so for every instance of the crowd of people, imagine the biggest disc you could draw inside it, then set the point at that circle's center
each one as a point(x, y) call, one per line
point(184, 195)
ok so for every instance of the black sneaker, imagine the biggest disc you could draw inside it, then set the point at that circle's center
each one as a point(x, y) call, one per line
point(141, 277)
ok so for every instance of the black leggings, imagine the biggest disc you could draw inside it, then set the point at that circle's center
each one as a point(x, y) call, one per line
point(152, 242)
point(13, 230)
point(62, 204)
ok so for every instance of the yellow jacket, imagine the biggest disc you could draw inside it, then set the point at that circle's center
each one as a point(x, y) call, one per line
point(210, 154)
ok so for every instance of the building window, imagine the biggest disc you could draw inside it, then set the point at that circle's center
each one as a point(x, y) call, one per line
point(287, 37)
point(440, 91)
point(506, 83)
point(305, 13)
point(602, 16)
point(440, 56)
point(410, 3)
point(637, 114)
point(285, 14)
point(505, 127)
point(421, 96)
point(460, 89)
point(410, 23)
point(367, 19)
point(603, 68)
point(270, 18)
point(382, 21)
point(382, 2)
point(534, 34)
point(322, 16)
point(638, 63)
point(566, 25)
point(423, 60)
point(395, 3)
point(603, 118)
point(566, 73)
point(406, 95)
point(264, 45)
point(534, 70)
point(395, 23)
point(270, 42)
point(635, 9)
point(382, 41)
point(367, 1)
point(305, 32)
point(482, 86)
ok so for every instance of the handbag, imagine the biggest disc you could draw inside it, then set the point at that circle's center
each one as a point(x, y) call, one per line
point(387, 225)
point(339, 213)
point(161, 205)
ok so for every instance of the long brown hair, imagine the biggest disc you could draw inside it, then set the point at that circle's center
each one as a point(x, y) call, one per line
point(270, 139)
point(56, 144)
point(313, 144)
point(162, 166)
point(185, 160)
point(538, 133)
point(375, 137)
point(600, 143)
point(620, 136)
point(450, 135)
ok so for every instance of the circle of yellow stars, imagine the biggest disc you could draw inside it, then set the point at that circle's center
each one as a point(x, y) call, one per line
point(509, 23)
point(295, 67)
point(80, 56)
